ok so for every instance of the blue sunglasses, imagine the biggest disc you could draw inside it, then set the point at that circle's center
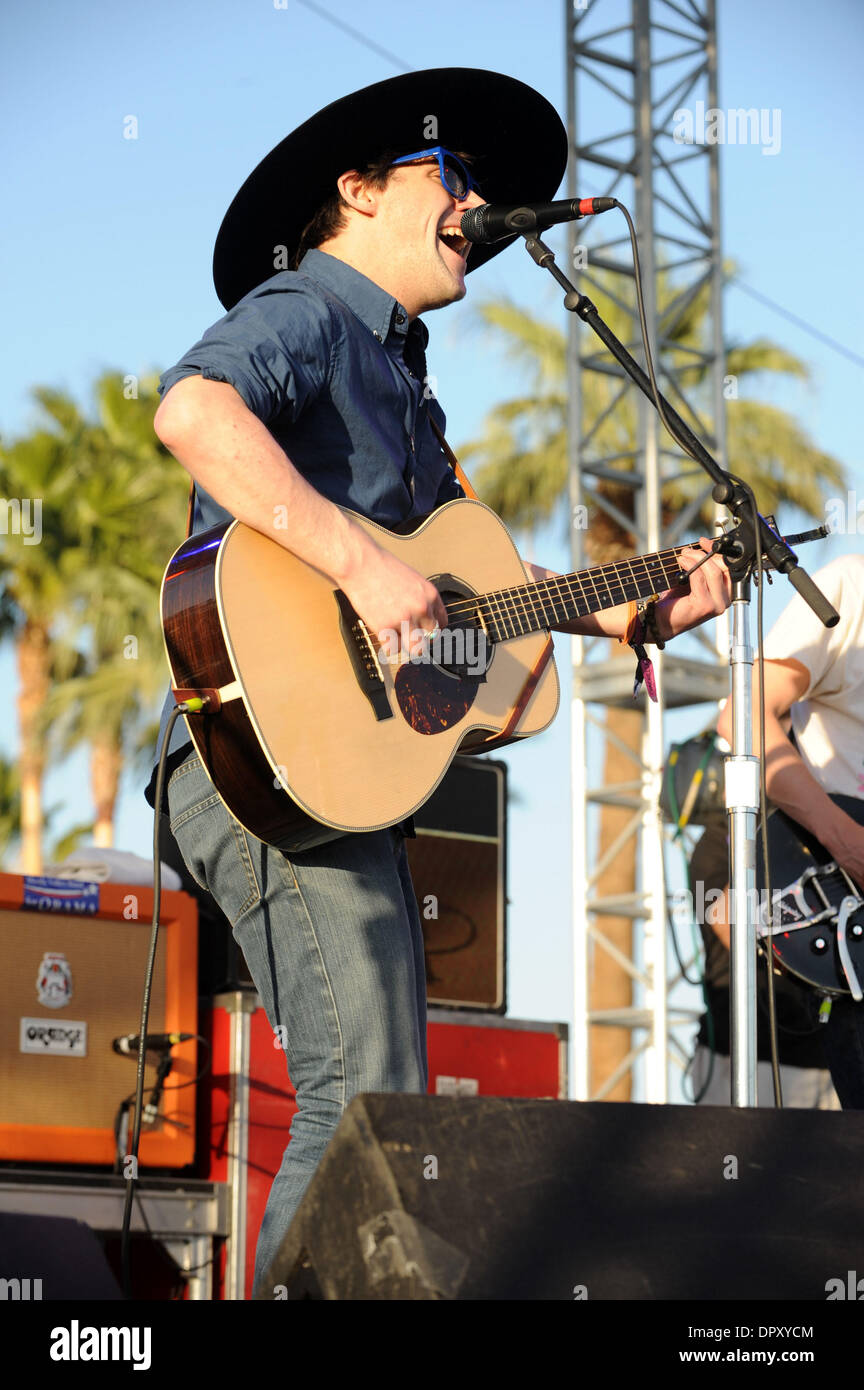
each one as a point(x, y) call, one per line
point(454, 175)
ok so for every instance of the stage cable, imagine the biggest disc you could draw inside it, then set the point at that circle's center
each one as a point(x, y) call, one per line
point(131, 1158)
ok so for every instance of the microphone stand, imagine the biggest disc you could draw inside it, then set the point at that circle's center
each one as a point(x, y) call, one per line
point(752, 544)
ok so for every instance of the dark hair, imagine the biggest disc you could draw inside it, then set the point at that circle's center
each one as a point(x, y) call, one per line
point(330, 217)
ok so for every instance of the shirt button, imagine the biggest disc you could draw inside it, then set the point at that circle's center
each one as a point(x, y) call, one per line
point(400, 318)
point(378, 336)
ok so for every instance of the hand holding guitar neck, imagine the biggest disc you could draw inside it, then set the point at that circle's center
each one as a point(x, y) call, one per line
point(706, 594)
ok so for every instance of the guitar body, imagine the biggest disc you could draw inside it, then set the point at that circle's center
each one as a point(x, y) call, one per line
point(811, 890)
point(298, 749)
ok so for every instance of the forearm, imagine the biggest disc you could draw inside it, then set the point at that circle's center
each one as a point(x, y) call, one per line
point(788, 782)
point(791, 787)
point(705, 593)
point(611, 622)
point(234, 457)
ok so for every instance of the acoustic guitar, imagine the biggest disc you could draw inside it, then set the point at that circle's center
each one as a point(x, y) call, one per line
point(311, 729)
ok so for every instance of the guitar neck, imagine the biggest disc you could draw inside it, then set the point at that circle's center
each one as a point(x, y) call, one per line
point(550, 602)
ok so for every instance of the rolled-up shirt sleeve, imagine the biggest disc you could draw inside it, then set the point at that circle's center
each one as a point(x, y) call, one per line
point(274, 348)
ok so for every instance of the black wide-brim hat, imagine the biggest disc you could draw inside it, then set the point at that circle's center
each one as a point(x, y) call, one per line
point(516, 138)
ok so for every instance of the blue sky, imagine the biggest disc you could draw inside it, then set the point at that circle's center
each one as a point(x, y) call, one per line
point(108, 242)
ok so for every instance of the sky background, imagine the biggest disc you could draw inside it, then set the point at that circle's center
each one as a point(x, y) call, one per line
point(108, 243)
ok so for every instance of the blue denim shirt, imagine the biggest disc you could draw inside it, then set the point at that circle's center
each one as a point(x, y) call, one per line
point(329, 362)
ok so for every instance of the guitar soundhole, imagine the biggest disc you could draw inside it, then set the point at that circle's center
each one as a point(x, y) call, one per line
point(462, 650)
point(437, 691)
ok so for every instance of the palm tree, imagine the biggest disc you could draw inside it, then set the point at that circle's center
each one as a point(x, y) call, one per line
point(10, 807)
point(10, 819)
point(523, 458)
point(81, 603)
point(131, 506)
point(523, 455)
point(41, 556)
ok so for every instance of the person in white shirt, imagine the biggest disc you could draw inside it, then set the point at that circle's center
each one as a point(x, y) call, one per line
point(815, 675)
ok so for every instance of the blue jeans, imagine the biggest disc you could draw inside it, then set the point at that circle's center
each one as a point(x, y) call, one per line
point(333, 941)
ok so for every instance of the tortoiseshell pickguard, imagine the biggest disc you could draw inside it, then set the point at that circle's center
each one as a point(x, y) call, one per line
point(431, 701)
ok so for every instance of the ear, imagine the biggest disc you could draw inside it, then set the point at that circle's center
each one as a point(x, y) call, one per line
point(357, 193)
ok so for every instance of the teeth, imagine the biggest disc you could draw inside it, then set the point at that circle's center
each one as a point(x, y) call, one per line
point(453, 234)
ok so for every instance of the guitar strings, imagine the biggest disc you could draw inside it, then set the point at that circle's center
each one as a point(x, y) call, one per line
point(533, 600)
point(651, 565)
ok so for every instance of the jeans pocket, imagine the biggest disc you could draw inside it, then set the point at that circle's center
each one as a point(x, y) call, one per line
point(214, 845)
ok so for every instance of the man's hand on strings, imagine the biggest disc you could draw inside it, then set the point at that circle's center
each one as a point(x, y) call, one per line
point(707, 593)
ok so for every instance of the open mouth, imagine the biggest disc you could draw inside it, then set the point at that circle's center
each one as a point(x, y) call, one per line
point(454, 240)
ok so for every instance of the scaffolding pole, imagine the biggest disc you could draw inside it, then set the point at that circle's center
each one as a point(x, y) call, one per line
point(633, 68)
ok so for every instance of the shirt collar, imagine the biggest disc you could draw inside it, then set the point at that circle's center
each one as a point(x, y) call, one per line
point(380, 312)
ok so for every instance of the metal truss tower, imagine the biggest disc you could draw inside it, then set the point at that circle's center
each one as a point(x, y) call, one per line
point(636, 71)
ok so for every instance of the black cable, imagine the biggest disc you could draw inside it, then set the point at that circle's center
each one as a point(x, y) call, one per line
point(814, 332)
point(355, 34)
point(199, 1038)
point(188, 707)
point(763, 822)
point(700, 980)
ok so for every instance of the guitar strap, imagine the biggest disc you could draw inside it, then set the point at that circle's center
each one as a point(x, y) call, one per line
point(453, 462)
point(191, 510)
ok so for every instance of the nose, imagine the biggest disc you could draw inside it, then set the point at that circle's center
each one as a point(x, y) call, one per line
point(472, 199)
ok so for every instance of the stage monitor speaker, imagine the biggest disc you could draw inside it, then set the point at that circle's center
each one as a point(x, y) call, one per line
point(458, 866)
point(74, 957)
point(456, 1198)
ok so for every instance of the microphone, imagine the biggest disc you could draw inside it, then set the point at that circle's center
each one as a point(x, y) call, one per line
point(127, 1046)
point(494, 221)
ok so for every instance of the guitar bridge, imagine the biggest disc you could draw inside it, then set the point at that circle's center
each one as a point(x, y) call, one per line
point(364, 658)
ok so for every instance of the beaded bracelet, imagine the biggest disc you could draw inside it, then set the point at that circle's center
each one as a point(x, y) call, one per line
point(641, 627)
point(650, 631)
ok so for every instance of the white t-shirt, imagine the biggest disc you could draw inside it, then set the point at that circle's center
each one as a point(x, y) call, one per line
point(829, 719)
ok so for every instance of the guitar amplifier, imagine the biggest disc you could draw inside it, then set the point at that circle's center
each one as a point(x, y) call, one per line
point(458, 866)
point(74, 957)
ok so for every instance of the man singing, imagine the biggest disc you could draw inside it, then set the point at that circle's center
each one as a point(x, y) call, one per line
point(309, 396)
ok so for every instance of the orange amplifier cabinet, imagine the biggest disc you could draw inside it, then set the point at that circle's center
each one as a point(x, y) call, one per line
point(74, 957)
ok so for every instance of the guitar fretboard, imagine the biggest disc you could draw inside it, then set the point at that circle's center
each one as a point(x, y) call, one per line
point(549, 602)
